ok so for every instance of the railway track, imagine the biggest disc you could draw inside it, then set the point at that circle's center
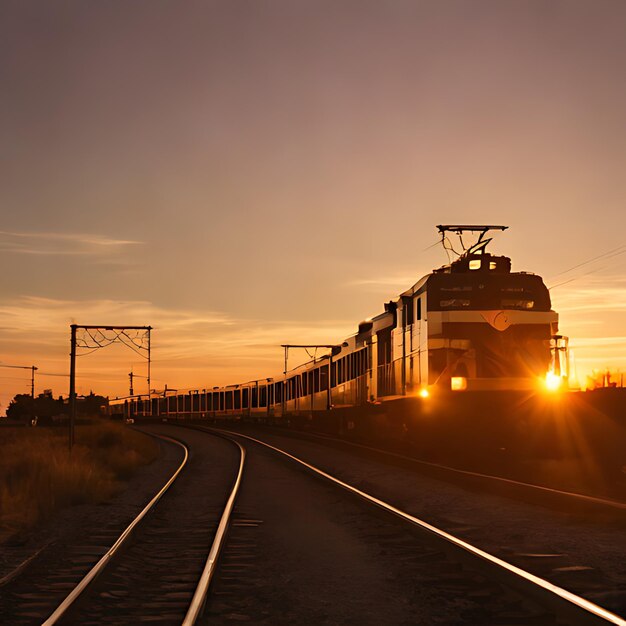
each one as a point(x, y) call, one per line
point(508, 593)
point(305, 574)
point(160, 567)
point(555, 498)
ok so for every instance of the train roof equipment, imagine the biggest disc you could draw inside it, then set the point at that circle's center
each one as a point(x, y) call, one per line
point(460, 230)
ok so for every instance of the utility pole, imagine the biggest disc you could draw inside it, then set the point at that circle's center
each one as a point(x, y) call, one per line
point(149, 364)
point(32, 369)
point(93, 338)
point(72, 383)
point(32, 381)
point(130, 375)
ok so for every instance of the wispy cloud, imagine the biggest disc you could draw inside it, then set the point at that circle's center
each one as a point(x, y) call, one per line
point(190, 347)
point(61, 244)
point(385, 284)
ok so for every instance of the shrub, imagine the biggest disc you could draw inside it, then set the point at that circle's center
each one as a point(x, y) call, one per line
point(38, 475)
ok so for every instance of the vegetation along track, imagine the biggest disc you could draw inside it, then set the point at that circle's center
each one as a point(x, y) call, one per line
point(481, 575)
point(163, 573)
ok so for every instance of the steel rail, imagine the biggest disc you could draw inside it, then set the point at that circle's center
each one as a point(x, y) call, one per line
point(577, 608)
point(199, 597)
point(615, 504)
point(91, 575)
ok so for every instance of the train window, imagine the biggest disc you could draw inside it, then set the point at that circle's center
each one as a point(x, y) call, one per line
point(222, 403)
point(517, 304)
point(278, 392)
point(456, 303)
point(333, 375)
point(407, 316)
point(305, 380)
point(255, 397)
point(244, 398)
point(229, 399)
point(474, 264)
point(316, 380)
point(237, 398)
point(263, 395)
point(419, 308)
point(457, 288)
point(492, 265)
point(323, 378)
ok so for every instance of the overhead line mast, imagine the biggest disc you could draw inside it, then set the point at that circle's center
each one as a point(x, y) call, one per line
point(95, 337)
point(32, 368)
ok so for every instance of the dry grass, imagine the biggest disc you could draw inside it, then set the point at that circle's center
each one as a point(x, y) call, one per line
point(38, 476)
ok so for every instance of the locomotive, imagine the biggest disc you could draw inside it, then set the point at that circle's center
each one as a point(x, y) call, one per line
point(472, 325)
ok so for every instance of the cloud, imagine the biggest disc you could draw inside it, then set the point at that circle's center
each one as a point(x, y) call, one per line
point(598, 293)
point(189, 347)
point(61, 244)
point(384, 284)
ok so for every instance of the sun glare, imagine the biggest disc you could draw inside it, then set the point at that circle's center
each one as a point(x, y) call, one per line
point(553, 382)
point(424, 393)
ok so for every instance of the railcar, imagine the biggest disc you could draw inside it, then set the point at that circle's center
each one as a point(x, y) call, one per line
point(471, 325)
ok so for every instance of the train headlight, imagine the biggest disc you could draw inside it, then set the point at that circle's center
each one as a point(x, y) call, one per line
point(553, 382)
point(458, 383)
point(424, 393)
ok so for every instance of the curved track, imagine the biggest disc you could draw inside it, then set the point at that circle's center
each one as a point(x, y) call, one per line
point(154, 568)
point(560, 603)
point(541, 493)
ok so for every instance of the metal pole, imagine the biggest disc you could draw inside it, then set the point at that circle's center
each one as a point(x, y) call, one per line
point(149, 363)
point(330, 381)
point(72, 385)
point(32, 382)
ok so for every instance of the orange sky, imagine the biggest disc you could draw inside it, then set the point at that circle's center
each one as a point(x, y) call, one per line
point(244, 175)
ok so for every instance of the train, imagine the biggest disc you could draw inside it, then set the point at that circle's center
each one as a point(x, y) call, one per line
point(472, 325)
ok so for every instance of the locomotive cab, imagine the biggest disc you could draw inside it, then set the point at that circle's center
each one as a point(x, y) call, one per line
point(488, 327)
point(479, 263)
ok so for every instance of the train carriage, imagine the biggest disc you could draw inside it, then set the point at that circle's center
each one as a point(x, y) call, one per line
point(471, 325)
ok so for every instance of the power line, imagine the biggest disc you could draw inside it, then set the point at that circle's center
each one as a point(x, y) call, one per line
point(608, 254)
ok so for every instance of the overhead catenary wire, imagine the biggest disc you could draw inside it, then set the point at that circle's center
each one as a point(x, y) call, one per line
point(609, 254)
point(606, 256)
